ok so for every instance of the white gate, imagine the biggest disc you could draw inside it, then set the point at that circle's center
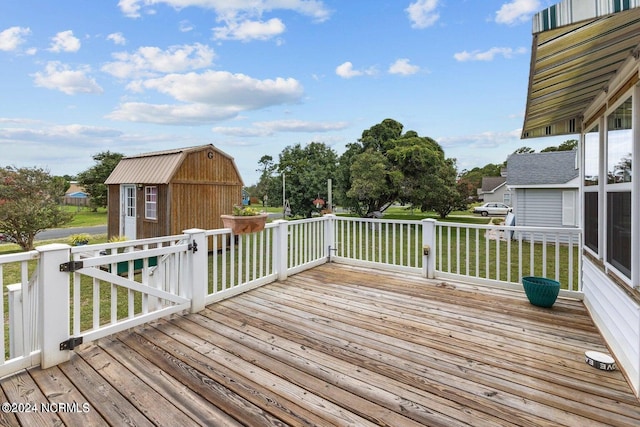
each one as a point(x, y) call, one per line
point(127, 287)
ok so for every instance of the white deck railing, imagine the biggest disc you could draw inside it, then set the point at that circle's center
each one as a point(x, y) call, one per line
point(502, 255)
point(114, 286)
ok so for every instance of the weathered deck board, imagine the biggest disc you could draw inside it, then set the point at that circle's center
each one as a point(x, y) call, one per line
point(340, 345)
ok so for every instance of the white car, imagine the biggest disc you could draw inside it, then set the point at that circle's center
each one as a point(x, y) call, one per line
point(492, 208)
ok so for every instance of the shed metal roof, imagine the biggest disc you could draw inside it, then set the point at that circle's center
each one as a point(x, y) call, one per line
point(541, 169)
point(157, 167)
point(578, 47)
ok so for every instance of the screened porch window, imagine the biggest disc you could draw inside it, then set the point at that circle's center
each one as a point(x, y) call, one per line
point(618, 188)
point(591, 180)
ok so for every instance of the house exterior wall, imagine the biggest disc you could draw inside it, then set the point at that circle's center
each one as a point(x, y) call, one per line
point(612, 298)
point(617, 317)
point(497, 196)
point(538, 207)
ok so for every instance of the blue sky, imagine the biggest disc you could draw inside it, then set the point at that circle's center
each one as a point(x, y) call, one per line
point(254, 76)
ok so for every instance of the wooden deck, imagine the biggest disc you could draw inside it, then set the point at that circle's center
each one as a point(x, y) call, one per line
point(339, 345)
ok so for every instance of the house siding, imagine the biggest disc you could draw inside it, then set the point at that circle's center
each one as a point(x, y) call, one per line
point(617, 317)
point(497, 196)
point(535, 207)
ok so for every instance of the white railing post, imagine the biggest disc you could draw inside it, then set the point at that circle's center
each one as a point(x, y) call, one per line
point(16, 323)
point(329, 234)
point(429, 247)
point(198, 268)
point(280, 249)
point(53, 303)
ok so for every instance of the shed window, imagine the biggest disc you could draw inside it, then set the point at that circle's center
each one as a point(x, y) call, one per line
point(151, 202)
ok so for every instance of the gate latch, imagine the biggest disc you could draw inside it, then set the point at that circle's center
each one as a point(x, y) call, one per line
point(71, 343)
point(71, 266)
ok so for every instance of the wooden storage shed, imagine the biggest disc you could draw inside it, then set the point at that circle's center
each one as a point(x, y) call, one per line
point(165, 192)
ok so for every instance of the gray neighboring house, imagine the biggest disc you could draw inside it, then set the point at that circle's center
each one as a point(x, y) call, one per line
point(544, 188)
point(494, 189)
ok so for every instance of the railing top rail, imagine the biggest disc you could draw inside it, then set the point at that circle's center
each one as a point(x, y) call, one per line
point(223, 231)
point(379, 220)
point(22, 256)
point(306, 220)
point(546, 230)
point(128, 243)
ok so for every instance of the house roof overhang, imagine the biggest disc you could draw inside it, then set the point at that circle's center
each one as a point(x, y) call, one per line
point(577, 50)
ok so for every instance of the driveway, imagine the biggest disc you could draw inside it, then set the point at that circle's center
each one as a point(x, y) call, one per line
point(61, 233)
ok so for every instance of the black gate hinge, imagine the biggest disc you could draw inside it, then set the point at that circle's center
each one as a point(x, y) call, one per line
point(71, 266)
point(71, 343)
point(193, 247)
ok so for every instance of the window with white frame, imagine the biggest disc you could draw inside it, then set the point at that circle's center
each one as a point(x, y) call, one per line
point(591, 180)
point(569, 208)
point(151, 202)
point(619, 155)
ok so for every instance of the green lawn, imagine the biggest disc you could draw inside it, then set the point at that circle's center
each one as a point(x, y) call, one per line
point(85, 217)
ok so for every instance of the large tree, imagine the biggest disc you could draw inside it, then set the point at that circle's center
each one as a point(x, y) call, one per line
point(92, 179)
point(29, 203)
point(386, 166)
point(307, 170)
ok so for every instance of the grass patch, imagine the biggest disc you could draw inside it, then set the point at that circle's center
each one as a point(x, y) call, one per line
point(85, 217)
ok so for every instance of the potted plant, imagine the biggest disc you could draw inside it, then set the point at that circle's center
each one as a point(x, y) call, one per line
point(245, 219)
point(79, 239)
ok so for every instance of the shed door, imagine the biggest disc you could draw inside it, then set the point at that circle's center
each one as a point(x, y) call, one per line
point(128, 214)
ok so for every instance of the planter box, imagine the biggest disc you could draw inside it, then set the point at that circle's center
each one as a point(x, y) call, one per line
point(541, 291)
point(244, 224)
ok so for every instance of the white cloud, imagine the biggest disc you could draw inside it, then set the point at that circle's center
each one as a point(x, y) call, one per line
point(517, 11)
point(60, 77)
point(346, 71)
point(249, 30)
point(402, 67)
point(65, 41)
point(148, 61)
point(422, 13)
point(208, 97)
point(224, 88)
point(12, 38)
point(227, 9)
point(117, 38)
point(488, 55)
point(168, 114)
